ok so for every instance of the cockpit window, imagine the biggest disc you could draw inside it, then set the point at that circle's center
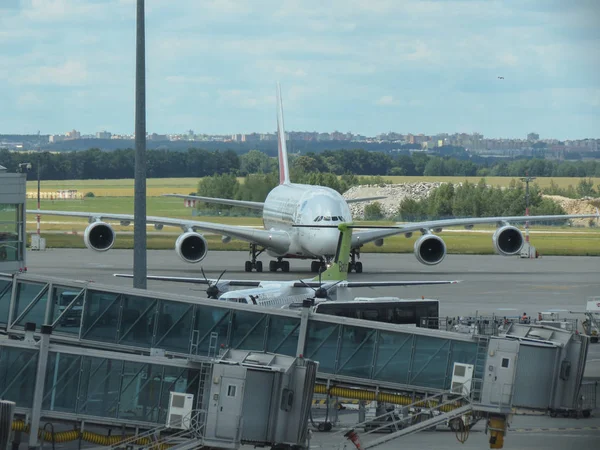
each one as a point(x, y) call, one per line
point(326, 218)
point(318, 218)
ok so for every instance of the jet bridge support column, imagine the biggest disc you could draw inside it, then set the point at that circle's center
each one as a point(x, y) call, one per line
point(38, 393)
point(306, 305)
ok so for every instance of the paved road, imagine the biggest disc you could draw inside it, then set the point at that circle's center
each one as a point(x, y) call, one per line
point(491, 284)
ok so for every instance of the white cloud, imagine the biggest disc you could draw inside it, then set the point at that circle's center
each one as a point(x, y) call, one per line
point(386, 100)
point(71, 73)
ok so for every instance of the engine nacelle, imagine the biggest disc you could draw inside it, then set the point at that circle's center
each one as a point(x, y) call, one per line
point(430, 249)
point(508, 240)
point(99, 236)
point(191, 247)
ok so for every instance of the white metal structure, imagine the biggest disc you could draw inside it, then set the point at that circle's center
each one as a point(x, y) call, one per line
point(180, 410)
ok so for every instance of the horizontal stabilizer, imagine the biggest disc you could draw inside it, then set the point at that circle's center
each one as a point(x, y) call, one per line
point(364, 199)
point(193, 280)
point(220, 201)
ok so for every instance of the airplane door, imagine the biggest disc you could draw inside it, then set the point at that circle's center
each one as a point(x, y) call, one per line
point(500, 369)
point(230, 404)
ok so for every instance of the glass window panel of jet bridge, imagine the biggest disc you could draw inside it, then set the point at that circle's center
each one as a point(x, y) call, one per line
point(173, 328)
point(137, 321)
point(356, 354)
point(209, 319)
point(248, 330)
point(393, 357)
point(140, 391)
point(17, 375)
point(70, 322)
point(430, 361)
point(322, 344)
point(282, 335)
point(101, 316)
point(62, 382)
point(99, 386)
point(5, 297)
point(26, 293)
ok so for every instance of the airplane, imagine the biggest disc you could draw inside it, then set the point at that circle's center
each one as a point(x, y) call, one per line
point(280, 294)
point(290, 204)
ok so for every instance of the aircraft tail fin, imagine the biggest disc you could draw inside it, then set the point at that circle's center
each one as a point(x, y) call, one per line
point(284, 173)
point(338, 271)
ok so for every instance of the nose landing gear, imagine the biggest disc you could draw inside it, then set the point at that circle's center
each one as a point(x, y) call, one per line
point(354, 265)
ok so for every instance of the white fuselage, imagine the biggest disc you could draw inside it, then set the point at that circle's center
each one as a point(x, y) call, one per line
point(300, 204)
point(269, 294)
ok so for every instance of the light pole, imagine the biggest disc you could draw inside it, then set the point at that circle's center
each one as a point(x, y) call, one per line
point(139, 209)
point(39, 171)
point(527, 179)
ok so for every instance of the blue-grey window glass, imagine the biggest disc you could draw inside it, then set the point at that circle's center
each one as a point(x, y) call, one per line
point(70, 313)
point(35, 308)
point(430, 362)
point(99, 387)
point(5, 296)
point(62, 382)
point(393, 357)
point(137, 321)
point(26, 293)
point(248, 330)
point(321, 344)
point(17, 375)
point(11, 243)
point(356, 354)
point(282, 336)
point(173, 327)
point(101, 316)
point(210, 320)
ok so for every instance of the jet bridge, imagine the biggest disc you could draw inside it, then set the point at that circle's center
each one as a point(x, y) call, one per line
point(114, 355)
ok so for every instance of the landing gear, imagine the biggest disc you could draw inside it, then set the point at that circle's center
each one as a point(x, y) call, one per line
point(279, 264)
point(355, 265)
point(318, 266)
point(253, 264)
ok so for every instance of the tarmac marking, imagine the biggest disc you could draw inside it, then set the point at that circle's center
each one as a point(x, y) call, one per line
point(541, 430)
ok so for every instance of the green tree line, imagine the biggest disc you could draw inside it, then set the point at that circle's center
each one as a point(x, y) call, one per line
point(476, 200)
point(98, 164)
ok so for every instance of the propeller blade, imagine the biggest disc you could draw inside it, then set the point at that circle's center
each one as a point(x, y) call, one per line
point(219, 279)
point(204, 275)
point(307, 285)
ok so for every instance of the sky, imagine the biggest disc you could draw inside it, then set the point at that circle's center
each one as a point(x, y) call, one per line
point(364, 66)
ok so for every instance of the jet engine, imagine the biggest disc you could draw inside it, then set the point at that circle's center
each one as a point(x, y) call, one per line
point(191, 247)
point(508, 240)
point(99, 236)
point(430, 249)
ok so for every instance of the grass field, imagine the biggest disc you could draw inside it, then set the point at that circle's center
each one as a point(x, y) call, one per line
point(581, 244)
point(158, 186)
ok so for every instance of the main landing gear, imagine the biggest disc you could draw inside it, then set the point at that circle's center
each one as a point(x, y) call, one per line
point(274, 266)
point(354, 265)
point(253, 264)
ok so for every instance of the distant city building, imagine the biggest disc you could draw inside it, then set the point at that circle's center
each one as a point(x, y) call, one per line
point(73, 134)
point(157, 137)
point(533, 137)
point(103, 135)
point(54, 138)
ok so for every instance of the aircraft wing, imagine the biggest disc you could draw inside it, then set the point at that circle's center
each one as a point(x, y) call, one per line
point(274, 239)
point(193, 280)
point(220, 201)
point(363, 199)
point(357, 284)
point(363, 235)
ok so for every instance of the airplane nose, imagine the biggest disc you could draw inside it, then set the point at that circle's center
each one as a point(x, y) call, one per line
point(323, 241)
